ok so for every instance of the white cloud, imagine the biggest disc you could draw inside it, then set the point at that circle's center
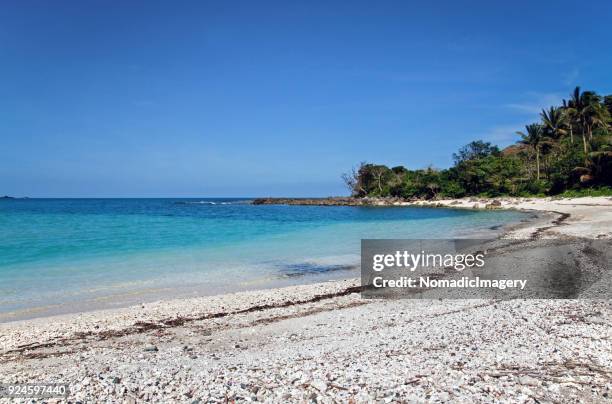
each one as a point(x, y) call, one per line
point(502, 135)
point(535, 102)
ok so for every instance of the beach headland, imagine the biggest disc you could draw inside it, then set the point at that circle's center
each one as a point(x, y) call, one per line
point(332, 201)
point(324, 343)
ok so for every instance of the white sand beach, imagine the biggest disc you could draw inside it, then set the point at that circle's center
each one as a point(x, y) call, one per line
point(589, 217)
point(324, 343)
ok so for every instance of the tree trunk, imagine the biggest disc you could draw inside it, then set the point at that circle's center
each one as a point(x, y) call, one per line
point(538, 163)
point(571, 134)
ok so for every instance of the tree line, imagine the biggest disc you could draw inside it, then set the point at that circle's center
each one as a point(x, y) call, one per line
point(569, 151)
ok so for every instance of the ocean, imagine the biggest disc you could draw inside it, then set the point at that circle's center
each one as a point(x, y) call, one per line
point(60, 255)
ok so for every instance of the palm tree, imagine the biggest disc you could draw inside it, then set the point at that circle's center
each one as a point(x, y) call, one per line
point(569, 113)
point(578, 102)
point(554, 122)
point(586, 113)
point(595, 116)
point(534, 137)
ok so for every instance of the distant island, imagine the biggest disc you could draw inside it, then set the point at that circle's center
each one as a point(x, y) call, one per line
point(567, 153)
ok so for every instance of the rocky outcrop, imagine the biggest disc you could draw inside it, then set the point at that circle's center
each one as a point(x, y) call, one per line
point(332, 201)
point(495, 204)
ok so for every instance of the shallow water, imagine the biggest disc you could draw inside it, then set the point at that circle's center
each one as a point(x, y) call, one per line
point(62, 251)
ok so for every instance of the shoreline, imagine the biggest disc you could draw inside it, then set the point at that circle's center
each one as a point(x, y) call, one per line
point(540, 225)
point(575, 217)
point(564, 207)
point(214, 330)
point(135, 294)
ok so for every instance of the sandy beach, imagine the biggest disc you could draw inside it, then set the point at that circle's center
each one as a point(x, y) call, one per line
point(324, 343)
point(589, 217)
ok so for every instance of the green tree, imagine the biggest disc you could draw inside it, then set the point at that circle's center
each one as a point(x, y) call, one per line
point(374, 179)
point(533, 138)
point(555, 122)
point(595, 115)
point(480, 168)
point(474, 150)
point(575, 109)
point(569, 113)
point(608, 104)
point(587, 113)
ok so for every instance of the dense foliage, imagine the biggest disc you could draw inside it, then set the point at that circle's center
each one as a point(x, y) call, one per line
point(568, 152)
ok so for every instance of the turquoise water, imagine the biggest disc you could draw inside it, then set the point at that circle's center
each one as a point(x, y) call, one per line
point(56, 252)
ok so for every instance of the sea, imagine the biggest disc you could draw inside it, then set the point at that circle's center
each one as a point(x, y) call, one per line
point(66, 255)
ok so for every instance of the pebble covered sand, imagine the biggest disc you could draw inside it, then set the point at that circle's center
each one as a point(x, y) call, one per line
point(324, 343)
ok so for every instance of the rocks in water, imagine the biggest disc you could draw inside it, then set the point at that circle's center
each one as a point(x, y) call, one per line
point(495, 204)
point(333, 201)
point(307, 201)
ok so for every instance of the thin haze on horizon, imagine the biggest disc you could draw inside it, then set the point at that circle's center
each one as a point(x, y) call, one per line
point(273, 98)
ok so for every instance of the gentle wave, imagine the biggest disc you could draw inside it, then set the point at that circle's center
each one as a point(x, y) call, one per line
point(241, 202)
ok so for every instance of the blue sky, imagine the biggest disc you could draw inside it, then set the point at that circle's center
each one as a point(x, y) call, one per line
point(225, 98)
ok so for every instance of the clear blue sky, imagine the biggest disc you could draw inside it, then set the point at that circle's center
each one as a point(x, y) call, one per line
point(251, 98)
